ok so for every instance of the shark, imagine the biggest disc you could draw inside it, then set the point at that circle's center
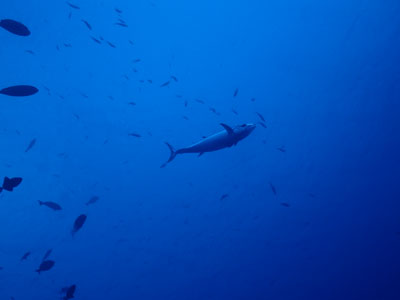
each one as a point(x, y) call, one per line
point(224, 139)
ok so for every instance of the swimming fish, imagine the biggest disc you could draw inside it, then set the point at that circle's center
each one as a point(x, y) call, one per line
point(31, 144)
point(282, 149)
point(96, 40)
point(69, 292)
point(10, 183)
point(272, 188)
point(19, 90)
point(165, 84)
point(15, 27)
point(235, 92)
point(260, 116)
point(45, 266)
point(227, 138)
point(73, 5)
point(135, 134)
point(224, 196)
point(47, 254)
point(78, 223)
point(262, 124)
point(285, 204)
point(52, 205)
point(92, 200)
point(87, 24)
point(174, 78)
point(25, 256)
point(111, 44)
point(121, 24)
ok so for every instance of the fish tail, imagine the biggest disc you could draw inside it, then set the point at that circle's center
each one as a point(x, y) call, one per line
point(171, 156)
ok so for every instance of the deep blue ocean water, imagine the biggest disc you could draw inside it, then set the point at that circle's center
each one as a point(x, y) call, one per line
point(307, 208)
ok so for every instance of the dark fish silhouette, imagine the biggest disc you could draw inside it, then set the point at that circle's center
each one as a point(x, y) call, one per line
point(285, 204)
point(235, 92)
point(136, 60)
point(121, 24)
point(111, 44)
point(52, 205)
point(25, 256)
point(31, 144)
point(87, 24)
point(234, 111)
point(10, 183)
point(19, 90)
point(30, 52)
point(282, 149)
point(224, 196)
point(132, 103)
point(262, 124)
point(45, 266)
point(96, 40)
point(165, 84)
point(92, 200)
point(73, 5)
point(15, 27)
point(78, 223)
point(69, 292)
point(174, 78)
point(47, 254)
point(118, 10)
point(135, 134)
point(272, 188)
point(260, 116)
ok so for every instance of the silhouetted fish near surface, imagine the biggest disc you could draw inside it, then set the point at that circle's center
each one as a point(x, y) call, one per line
point(96, 40)
point(30, 52)
point(165, 84)
point(282, 149)
point(15, 27)
point(25, 256)
point(174, 78)
point(78, 223)
point(69, 292)
point(227, 138)
point(45, 266)
point(136, 60)
point(87, 24)
point(234, 111)
point(272, 188)
point(92, 200)
point(262, 124)
point(224, 196)
point(121, 24)
point(47, 254)
point(9, 184)
point(235, 92)
point(111, 44)
point(72, 5)
point(199, 101)
point(260, 116)
point(31, 144)
point(19, 90)
point(285, 204)
point(49, 204)
point(118, 10)
point(135, 134)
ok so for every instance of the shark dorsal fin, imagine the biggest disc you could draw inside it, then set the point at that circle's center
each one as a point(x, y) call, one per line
point(227, 128)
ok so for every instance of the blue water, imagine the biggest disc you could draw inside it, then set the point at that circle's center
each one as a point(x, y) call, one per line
point(324, 75)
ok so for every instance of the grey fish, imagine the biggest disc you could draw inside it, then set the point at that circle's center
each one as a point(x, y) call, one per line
point(165, 84)
point(224, 196)
point(235, 92)
point(19, 90)
point(15, 27)
point(272, 188)
point(87, 24)
point(92, 200)
point(73, 5)
point(135, 135)
point(285, 204)
point(45, 266)
point(25, 256)
point(52, 205)
point(69, 292)
point(260, 116)
point(78, 223)
point(10, 183)
point(31, 144)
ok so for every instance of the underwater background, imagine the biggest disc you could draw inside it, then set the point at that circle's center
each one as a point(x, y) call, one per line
point(306, 208)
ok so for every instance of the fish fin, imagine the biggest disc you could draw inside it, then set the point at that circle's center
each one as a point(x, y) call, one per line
point(227, 128)
point(171, 156)
point(200, 154)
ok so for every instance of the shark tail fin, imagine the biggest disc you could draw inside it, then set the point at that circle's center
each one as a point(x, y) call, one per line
point(171, 156)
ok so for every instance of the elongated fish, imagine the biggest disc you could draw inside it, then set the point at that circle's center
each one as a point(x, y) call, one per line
point(15, 27)
point(19, 90)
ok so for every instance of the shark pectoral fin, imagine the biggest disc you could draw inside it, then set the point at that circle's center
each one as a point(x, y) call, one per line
point(227, 128)
point(200, 154)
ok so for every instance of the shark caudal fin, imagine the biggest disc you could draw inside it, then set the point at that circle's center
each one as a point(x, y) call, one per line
point(171, 156)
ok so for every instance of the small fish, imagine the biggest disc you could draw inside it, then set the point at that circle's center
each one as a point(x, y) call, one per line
point(282, 149)
point(199, 101)
point(214, 111)
point(46, 265)
point(272, 188)
point(224, 196)
point(73, 5)
point(52, 205)
point(92, 200)
point(234, 111)
point(96, 40)
point(132, 103)
point(260, 116)
point(111, 44)
point(87, 24)
point(165, 84)
point(67, 45)
point(178, 96)
point(31, 144)
point(262, 124)
point(19, 90)
point(135, 135)
point(10, 183)
point(131, 42)
point(149, 81)
point(186, 103)
point(25, 256)
point(15, 27)
point(121, 24)
point(253, 99)
point(285, 204)
point(79, 221)
point(118, 10)
point(136, 60)
point(186, 118)
point(30, 52)
point(47, 254)
point(174, 78)
point(69, 292)
point(235, 92)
